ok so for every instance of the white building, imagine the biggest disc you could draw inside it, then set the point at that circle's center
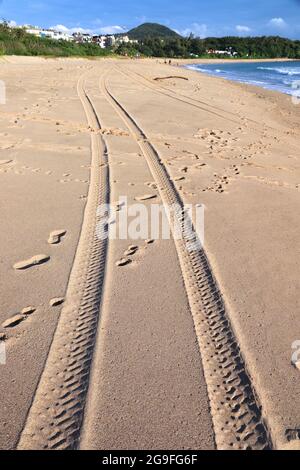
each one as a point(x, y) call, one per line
point(125, 39)
point(110, 41)
point(34, 31)
point(82, 38)
point(100, 41)
point(48, 33)
point(57, 35)
point(103, 41)
point(228, 52)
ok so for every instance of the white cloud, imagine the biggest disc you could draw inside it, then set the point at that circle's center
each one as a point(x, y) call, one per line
point(199, 30)
point(11, 24)
point(64, 29)
point(242, 29)
point(112, 29)
point(115, 29)
point(102, 30)
point(278, 23)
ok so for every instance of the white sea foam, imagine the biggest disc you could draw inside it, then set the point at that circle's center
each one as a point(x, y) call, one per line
point(282, 70)
point(280, 76)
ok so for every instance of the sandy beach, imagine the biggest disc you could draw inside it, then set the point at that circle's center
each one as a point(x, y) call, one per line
point(143, 344)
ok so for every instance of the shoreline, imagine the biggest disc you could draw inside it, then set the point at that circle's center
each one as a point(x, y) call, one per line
point(225, 61)
point(157, 59)
point(267, 87)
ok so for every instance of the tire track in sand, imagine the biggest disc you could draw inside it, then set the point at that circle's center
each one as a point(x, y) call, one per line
point(147, 83)
point(189, 100)
point(236, 413)
point(56, 414)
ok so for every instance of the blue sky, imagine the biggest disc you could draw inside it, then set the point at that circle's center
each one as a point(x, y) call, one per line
point(202, 17)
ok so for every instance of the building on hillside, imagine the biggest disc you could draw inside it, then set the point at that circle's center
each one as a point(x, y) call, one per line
point(47, 33)
point(103, 41)
point(110, 41)
point(100, 41)
point(57, 35)
point(35, 31)
point(125, 39)
point(82, 38)
point(230, 52)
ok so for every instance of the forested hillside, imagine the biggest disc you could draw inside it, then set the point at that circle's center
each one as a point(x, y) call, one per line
point(269, 47)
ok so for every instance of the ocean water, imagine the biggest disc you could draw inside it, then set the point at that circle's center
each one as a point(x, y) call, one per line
point(280, 76)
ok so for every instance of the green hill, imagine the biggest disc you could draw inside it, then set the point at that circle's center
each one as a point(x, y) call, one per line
point(151, 30)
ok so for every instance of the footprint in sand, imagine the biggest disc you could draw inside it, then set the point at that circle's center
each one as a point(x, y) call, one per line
point(131, 250)
point(151, 184)
point(13, 321)
point(56, 302)
point(123, 262)
point(145, 197)
point(34, 261)
point(179, 178)
point(28, 311)
point(18, 318)
point(56, 236)
point(80, 181)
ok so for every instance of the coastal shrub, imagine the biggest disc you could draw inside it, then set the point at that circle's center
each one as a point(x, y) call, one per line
point(265, 47)
point(2, 48)
point(15, 41)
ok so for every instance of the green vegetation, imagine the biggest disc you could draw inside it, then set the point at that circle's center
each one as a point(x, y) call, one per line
point(15, 41)
point(266, 47)
point(154, 40)
point(269, 47)
point(152, 30)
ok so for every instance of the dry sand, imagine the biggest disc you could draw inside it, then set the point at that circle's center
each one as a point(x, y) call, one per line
point(133, 344)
